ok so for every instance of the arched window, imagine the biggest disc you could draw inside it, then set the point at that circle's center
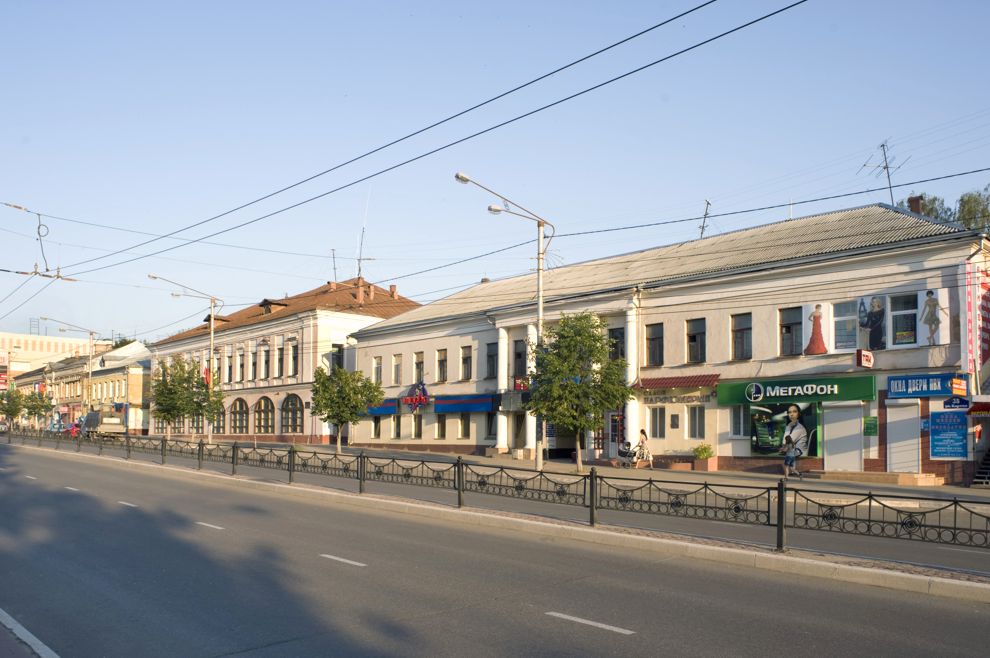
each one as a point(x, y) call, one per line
point(292, 414)
point(218, 424)
point(264, 417)
point(238, 417)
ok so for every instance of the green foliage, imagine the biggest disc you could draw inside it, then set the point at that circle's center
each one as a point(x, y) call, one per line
point(575, 382)
point(37, 405)
point(704, 451)
point(175, 390)
point(972, 210)
point(343, 397)
point(207, 398)
point(121, 342)
point(11, 403)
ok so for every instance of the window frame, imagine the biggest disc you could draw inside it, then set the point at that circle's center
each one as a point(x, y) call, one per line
point(491, 361)
point(441, 365)
point(786, 331)
point(417, 429)
point(700, 340)
point(616, 343)
point(836, 319)
point(464, 425)
point(419, 367)
point(739, 419)
point(654, 433)
point(397, 426)
point(467, 363)
point(397, 370)
point(376, 370)
point(892, 322)
point(654, 345)
point(291, 415)
point(264, 416)
point(441, 426)
point(743, 335)
point(696, 418)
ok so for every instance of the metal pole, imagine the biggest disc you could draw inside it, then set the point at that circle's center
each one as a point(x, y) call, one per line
point(781, 513)
point(459, 480)
point(540, 438)
point(361, 467)
point(233, 460)
point(209, 393)
point(164, 441)
point(292, 463)
point(89, 378)
point(199, 456)
point(593, 490)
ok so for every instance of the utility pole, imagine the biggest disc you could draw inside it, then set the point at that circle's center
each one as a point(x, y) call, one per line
point(704, 220)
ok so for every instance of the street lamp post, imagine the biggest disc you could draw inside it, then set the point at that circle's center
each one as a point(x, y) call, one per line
point(87, 399)
point(541, 251)
point(213, 304)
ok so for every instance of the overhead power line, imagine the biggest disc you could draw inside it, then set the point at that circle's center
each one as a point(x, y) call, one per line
point(435, 150)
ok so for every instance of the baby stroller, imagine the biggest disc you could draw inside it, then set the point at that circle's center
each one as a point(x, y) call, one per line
point(627, 456)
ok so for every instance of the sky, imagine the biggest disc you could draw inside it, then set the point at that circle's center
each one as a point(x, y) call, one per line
point(121, 122)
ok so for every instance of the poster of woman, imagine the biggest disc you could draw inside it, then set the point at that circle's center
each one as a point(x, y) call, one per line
point(873, 322)
point(772, 422)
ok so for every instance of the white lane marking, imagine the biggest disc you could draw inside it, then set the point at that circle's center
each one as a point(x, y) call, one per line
point(614, 629)
point(122, 502)
point(72, 489)
point(25, 636)
point(964, 550)
point(30, 477)
point(209, 525)
point(345, 561)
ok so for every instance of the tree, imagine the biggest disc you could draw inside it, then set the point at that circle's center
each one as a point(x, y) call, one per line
point(207, 398)
point(37, 405)
point(11, 403)
point(173, 391)
point(343, 397)
point(932, 206)
point(575, 381)
point(121, 342)
point(974, 209)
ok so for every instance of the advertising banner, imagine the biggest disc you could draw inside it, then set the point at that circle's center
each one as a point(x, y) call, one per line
point(770, 423)
point(925, 386)
point(948, 435)
point(824, 389)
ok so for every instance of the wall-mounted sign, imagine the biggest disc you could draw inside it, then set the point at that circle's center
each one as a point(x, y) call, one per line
point(925, 386)
point(864, 358)
point(948, 435)
point(695, 398)
point(823, 389)
point(956, 402)
point(417, 397)
point(871, 426)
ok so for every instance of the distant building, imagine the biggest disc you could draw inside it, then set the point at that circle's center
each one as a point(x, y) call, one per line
point(722, 337)
point(266, 355)
point(24, 352)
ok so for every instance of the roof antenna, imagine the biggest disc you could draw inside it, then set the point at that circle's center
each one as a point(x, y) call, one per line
point(364, 224)
point(704, 220)
point(333, 254)
point(887, 166)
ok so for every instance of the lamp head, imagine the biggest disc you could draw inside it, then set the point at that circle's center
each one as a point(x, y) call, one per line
point(493, 209)
point(461, 177)
point(152, 277)
point(44, 318)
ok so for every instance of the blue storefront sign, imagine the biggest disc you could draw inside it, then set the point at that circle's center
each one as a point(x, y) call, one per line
point(956, 402)
point(926, 386)
point(948, 435)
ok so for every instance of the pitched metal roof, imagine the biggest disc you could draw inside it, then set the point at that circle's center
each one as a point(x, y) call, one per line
point(771, 245)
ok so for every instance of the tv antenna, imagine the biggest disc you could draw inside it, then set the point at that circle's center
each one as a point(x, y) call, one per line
point(886, 168)
point(704, 219)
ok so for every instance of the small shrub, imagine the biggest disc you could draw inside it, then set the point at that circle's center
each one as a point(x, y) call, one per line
point(704, 451)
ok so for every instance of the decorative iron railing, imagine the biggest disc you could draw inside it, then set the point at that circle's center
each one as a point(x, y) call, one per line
point(717, 502)
point(525, 484)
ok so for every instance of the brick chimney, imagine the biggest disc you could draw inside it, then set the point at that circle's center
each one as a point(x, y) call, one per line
point(393, 292)
point(360, 294)
point(371, 293)
point(333, 285)
point(914, 204)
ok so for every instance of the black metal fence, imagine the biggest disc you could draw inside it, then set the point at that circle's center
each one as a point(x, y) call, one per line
point(945, 521)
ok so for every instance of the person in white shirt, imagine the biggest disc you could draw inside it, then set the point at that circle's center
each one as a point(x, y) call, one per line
point(798, 435)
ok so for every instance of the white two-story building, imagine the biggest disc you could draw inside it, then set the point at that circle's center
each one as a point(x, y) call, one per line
point(722, 337)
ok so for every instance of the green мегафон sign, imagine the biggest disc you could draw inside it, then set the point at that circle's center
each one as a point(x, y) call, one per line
point(823, 389)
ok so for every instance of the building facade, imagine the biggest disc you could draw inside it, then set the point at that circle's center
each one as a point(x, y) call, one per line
point(265, 357)
point(722, 337)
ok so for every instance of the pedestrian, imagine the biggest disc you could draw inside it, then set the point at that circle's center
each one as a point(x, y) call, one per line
point(797, 433)
point(790, 457)
point(643, 449)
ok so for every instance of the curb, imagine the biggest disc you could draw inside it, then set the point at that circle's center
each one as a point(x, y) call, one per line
point(770, 561)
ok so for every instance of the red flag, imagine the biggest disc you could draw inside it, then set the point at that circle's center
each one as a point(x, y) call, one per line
point(206, 375)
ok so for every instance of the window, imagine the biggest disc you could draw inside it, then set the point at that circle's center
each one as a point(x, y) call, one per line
point(417, 367)
point(280, 365)
point(396, 426)
point(846, 325)
point(218, 424)
point(696, 340)
point(491, 427)
point(253, 366)
point(696, 422)
point(519, 358)
point(159, 425)
point(376, 427)
point(238, 417)
point(336, 356)
point(742, 336)
point(292, 414)
point(441, 365)
point(230, 370)
point(264, 417)
point(791, 341)
point(441, 426)
point(465, 426)
point(376, 369)
point(266, 364)
point(294, 360)
point(466, 366)
point(740, 422)
point(417, 426)
point(904, 318)
point(396, 370)
point(617, 343)
point(654, 344)
point(240, 366)
point(196, 424)
point(491, 360)
point(658, 422)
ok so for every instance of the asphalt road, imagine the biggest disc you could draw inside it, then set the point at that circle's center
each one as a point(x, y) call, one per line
point(104, 559)
point(961, 558)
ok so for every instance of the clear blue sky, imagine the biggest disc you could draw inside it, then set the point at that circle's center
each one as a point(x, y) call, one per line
point(152, 116)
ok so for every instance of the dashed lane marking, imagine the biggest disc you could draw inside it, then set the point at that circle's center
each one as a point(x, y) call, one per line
point(72, 489)
point(209, 525)
point(588, 622)
point(30, 477)
point(124, 502)
point(344, 560)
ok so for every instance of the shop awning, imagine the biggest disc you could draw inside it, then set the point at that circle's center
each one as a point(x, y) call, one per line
point(689, 381)
point(980, 409)
point(386, 408)
point(452, 404)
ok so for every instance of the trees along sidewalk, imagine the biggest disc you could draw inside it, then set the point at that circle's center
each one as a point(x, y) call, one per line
point(575, 382)
point(343, 397)
point(178, 389)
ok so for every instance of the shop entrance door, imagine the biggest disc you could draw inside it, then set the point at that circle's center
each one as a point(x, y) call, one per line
point(843, 423)
point(903, 437)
